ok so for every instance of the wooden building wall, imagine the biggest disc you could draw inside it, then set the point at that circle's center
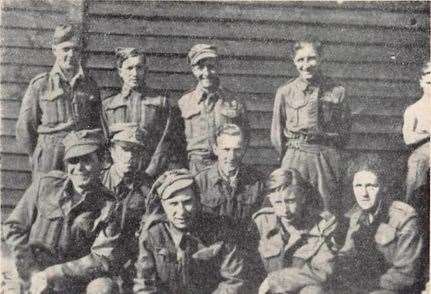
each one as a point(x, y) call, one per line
point(374, 49)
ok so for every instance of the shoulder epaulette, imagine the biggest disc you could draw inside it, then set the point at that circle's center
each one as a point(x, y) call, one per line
point(54, 174)
point(38, 77)
point(264, 210)
point(400, 213)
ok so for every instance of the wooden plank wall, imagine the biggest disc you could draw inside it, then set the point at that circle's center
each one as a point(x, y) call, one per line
point(374, 49)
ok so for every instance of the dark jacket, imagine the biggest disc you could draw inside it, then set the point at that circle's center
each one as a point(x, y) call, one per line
point(211, 262)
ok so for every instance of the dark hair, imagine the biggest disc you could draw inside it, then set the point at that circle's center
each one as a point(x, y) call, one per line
point(372, 163)
point(125, 53)
point(229, 129)
point(317, 45)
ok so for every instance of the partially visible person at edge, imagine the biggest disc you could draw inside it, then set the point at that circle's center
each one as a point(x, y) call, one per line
point(233, 191)
point(57, 102)
point(137, 104)
point(416, 133)
point(297, 243)
point(129, 147)
point(51, 230)
point(186, 250)
point(382, 248)
point(311, 124)
point(207, 107)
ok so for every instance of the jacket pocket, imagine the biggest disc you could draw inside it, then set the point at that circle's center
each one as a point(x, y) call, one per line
point(385, 234)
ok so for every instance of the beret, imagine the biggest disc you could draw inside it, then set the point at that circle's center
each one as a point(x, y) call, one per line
point(67, 33)
point(172, 181)
point(131, 134)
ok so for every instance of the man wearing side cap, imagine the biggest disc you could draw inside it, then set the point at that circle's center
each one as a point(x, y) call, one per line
point(138, 104)
point(185, 251)
point(207, 107)
point(57, 102)
point(128, 148)
point(53, 226)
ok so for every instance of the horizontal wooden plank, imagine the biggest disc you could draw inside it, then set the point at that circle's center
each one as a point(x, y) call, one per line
point(12, 90)
point(43, 5)
point(10, 197)
point(258, 49)
point(260, 31)
point(253, 84)
point(258, 13)
point(15, 179)
point(31, 19)
point(5, 212)
point(13, 37)
point(15, 162)
point(27, 56)
point(269, 67)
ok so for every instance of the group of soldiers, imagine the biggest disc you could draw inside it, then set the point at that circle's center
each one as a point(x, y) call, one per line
point(131, 194)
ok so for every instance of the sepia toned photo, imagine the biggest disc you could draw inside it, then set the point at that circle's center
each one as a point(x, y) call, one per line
point(193, 147)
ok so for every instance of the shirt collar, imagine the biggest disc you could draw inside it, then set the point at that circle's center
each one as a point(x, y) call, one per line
point(224, 177)
point(56, 71)
point(202, 95)
point(302, 85)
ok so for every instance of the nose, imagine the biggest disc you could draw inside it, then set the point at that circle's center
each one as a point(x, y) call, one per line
point(81, 165)
point(205, 71)
point(180, 210)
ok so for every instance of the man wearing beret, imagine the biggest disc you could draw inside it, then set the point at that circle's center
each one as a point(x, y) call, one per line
point(186, 251)
point(138, 104)
point(52, 229)
point(128, 148)
point(57, 102)
point(207, 107)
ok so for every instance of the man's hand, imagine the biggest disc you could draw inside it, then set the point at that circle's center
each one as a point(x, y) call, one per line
point(39, 283)
point(264, 287)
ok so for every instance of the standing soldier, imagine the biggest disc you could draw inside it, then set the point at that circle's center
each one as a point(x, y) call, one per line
point(416, 132)
point(383, 245)
point(297, 243)
point(131, 187)
point(54, 225)
point(207, 107)
point(311, 122)
point(186, 251)
point(138, 104)
point(58, 102)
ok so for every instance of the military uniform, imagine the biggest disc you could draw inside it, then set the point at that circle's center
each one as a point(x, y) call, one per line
point(49, 231)
point(149, 111)
point(209, 262)
point(381, 253)
point(310, 123)
point(53, 106)
point(296, 255)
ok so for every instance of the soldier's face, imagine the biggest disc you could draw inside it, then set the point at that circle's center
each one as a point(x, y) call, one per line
point(206, 72)
point(425, 83)
point(180, 208)
point(285, 204)
point(366, 189)
point(132, 71)
point(125, 159)
point(67, 56)
point(229, 151)
point(307, 62)
point(84, 171)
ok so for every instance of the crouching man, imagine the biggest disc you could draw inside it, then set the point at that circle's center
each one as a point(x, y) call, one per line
point(185, 251)
point(382, 249)
point(296, 244)
point(52, 229)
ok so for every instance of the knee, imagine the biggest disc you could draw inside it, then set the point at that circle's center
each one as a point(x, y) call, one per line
point(312, 289)
point(102, 286)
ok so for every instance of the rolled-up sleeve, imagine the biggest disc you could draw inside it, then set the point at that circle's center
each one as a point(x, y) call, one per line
point(278, 123)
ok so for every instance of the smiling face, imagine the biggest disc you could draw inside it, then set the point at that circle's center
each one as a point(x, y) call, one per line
point(132, 72)
point(367, 189)
point(67, 56)
point(206, 72)
point(84, 171)
point(181, 208)
point(229, 150)
point(307, 61)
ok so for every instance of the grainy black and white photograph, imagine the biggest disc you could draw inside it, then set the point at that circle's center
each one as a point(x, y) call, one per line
point(194, 147)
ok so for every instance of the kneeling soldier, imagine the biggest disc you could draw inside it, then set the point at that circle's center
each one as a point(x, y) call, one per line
point(296, 244)
point(185, 251)
point(54, 225)
point(381, 253)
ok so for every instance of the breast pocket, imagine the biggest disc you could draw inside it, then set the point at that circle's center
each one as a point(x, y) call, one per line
point(85, 107)
point(166, 264)
point(151, 117)
point(214, 204)
point(47, 229)
point(50, 109)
